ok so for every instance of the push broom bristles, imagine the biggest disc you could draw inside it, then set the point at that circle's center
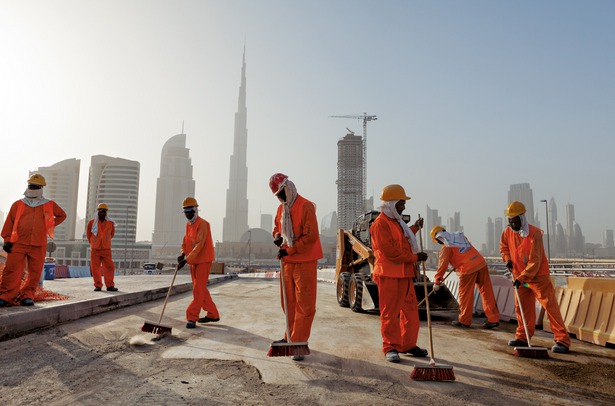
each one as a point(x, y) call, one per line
point(433, 373)
point(155, 328)
point(531, 352)
point(285, 349)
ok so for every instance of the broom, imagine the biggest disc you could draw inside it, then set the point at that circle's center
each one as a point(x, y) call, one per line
point(432, 290)
point(431, 372)
point(157, 328)
point(284, 348)
point(529, 351)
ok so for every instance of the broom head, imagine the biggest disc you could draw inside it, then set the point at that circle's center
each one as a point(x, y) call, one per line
point(155, 328)
point(531, 352)
point(284, 349)
point(433, 373)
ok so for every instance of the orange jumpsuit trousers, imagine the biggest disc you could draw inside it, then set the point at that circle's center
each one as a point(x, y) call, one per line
point(101, 264)
point(399, 313)
point(481, 279)
point(542, 290)
point(201, 299)
point(13, 271)
point(300, 283)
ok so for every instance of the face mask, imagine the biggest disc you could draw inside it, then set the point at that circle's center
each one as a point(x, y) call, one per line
point(102, 216)
point(33, 193)
point(189, 214)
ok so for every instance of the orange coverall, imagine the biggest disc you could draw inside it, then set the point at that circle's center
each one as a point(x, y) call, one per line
point(198, 248)
point(394, 269)
point(27, 228)
point(300, 268)
point(472, 270)
point(101, 262)
point(530, 266)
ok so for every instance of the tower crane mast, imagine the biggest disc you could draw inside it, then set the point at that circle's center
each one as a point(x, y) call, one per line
point(365, 118)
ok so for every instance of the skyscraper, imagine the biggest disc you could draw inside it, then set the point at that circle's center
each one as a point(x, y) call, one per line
point(607, 239)
point(431, 220)
point(62, 181)
point(498, 229)
point(115, 181)
point(552, 216)
point(523, 193)
point(235, 223)
point(174, 184)
point(267, 222)
point(569, 227)
point(489, 237)
point(349, 180)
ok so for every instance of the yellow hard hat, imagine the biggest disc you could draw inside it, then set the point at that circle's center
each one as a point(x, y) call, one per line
point(189, 202)
point(102, 206)
point(515, 209)
point(434, 231)
point(393, 192)
point(37, 179)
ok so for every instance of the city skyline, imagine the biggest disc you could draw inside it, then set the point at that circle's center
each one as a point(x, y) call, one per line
point(471, 97)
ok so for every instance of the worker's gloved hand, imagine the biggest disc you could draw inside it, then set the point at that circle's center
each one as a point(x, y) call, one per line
point(419, 222)
point(516, 283)
point(436, 287)
point(278, 240)
point(7, 246)
point(509, 265)
point(181, 264)
point(282, 253)
point(421, 256)
point(508, 274)
point(181, 257)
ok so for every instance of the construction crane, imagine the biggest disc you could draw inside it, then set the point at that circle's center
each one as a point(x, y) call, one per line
point(365, 117)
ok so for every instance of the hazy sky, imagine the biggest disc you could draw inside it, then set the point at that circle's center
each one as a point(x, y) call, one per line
point(471, 96)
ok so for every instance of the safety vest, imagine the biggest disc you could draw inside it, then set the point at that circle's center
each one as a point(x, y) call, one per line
point(47, 213)
point(467, 261)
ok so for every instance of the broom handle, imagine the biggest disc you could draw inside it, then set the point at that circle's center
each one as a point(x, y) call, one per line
point(168, 293)
point(283, 286)
point(432, 291)
point(426, 295)
point(527, 335)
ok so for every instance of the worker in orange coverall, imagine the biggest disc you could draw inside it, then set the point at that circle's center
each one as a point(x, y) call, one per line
point(472, 270)
point(198, 252)
point(100, 231)
point(25, 232)
point(296, 234)
point(522, 249)
point(397, 254)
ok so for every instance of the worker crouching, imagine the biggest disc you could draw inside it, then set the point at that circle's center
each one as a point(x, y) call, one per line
point(397, 253)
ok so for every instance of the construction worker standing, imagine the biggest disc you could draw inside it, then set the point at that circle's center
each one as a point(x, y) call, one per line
point(100, 231)
point(472, 270)
point(25, 232)
point(397, 253)
point(296, 234)
point(523, 252)
point(198, 252)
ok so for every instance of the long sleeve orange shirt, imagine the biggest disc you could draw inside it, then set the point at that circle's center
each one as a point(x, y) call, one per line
point(31, 227)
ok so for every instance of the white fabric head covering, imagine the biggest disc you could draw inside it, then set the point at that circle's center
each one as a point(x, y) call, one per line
point(34, 197)
point(95, 224)
point(525, 228)
point(455, 240)
point(287, 222)
point(388, 208)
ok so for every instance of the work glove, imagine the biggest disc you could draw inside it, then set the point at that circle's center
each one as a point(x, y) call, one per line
point(436, 287)
point(419, 222)
point(282, 253)
point(516, 283)
point(509, 265)
point(7, 246)
point(421, 256)
point(181, 257)
point(278, 240)
point(508, 274)
point(181, 264)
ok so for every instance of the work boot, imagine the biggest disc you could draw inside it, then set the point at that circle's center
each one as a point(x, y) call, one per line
point(457, 323)
point(207, 319)
point(97, 289)
point(111, 289)
point(392, 356)
point(191, 324)
point(298, 357)
point(417, 351)
point(3, 303)
point(27, 302)
point(560, 348)
point(489, 325)
point(517, 343)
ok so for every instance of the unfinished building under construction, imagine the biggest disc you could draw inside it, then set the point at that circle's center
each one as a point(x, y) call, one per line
point(349, 180)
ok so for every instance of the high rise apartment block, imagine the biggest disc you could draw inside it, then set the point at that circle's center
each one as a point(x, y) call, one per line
point(350, 204)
